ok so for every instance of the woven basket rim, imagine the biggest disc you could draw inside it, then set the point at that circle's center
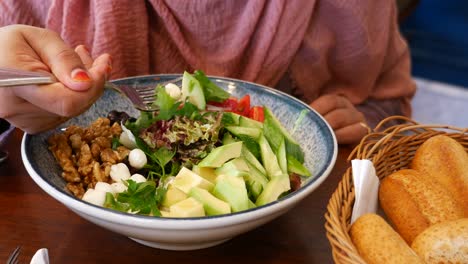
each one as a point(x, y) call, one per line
point(375, 144)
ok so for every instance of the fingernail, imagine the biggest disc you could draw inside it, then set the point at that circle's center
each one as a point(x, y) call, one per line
point(109, 69)
point(80, 75)
point(85, 49)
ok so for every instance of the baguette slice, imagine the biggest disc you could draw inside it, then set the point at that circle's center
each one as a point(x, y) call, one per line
point(445, 161)
point(412, 203)
point(378, 243)
point(444, 243)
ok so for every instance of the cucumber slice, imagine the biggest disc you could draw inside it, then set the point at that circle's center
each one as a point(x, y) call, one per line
point(251, 159)
point(193, 91)
point(297, 167)
point(274, 132)
point(255, 181)
point(230, 118)
point(269, 159)
point(249, 122)
point(281, 155)
point(251, 144)
point(228, 139)
point(245, 131)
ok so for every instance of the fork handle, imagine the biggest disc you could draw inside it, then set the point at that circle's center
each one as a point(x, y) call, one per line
point(15, 77)
point(18, 81)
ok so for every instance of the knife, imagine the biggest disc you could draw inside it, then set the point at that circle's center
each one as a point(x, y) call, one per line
point(40, 257)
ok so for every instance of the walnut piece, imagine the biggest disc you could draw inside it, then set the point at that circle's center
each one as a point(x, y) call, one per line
point(86, 155)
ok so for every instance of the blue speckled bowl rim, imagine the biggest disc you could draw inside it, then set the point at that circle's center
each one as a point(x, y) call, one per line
point(320, 176)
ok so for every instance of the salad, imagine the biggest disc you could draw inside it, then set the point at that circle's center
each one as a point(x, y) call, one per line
point(204, 152)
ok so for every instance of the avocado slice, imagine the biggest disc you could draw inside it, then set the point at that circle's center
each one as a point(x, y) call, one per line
point(274, 188)
point(251, 204)
point(254, 180)
point(211, 204)
point(222, 154)
point(189, 207)
point(187, 179)
point(173, 195)
point(232, 190)
point(233, 167)
point(165, 213)
point(206, 172)
point(193, 91)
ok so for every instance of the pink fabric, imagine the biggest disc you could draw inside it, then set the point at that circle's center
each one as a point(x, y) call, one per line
point(350, 47)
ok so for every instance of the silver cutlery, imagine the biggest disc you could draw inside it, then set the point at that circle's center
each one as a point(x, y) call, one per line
point(3, 156)
point(141, 97)
point(13, 258)
point(40, 257)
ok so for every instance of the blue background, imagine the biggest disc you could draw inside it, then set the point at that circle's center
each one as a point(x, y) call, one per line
point(437, 33)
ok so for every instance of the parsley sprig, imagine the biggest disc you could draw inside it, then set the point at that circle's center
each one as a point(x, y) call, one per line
point(142, 198)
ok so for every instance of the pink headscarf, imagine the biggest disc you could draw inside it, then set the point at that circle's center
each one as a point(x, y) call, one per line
point(348, 47)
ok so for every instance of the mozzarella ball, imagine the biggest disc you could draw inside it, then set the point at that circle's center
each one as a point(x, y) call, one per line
point(173, 91)
point(104, 187)
point(95, 197)
point(119, 172)
point(138, 178)
point(137, 158)
point(127, 138)
point(118, 187)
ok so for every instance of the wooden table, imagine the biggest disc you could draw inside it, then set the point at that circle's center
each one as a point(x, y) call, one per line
point(32, 219)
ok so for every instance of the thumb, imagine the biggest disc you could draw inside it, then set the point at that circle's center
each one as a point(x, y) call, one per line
point(62, 60)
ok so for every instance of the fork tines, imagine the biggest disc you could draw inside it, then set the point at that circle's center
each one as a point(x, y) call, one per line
point(147, 93)
point(142, 97)
point(13, 259)
point(133, 95)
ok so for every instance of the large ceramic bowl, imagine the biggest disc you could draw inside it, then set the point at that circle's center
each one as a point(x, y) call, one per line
point(314, 134)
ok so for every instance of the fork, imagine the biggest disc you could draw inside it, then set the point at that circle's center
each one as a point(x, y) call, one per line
point(141, 97)
point(13, 259)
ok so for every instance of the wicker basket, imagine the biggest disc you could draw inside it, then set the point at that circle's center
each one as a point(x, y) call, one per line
point(390, 150)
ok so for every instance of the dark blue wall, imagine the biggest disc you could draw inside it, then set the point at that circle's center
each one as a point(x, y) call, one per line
point(437, 32)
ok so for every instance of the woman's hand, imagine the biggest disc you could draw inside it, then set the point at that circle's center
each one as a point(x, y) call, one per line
point(36, 108)
point(348, 123)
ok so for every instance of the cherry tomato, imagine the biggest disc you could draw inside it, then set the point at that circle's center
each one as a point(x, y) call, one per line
point(243, 107)
point(229, 104)
point(256, 113)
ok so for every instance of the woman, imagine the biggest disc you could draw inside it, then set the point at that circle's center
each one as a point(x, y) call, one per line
point(346, 59)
